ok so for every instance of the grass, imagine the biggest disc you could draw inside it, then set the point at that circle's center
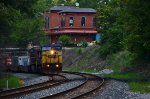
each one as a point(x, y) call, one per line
point(87, 70)
point(13, 82)
point(140, 86)
point(135, 81)
point(126, 76)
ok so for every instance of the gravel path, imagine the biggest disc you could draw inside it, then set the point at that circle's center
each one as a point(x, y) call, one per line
point(118, 90)
point(54, 90)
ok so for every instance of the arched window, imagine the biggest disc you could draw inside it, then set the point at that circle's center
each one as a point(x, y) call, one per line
point(71, 21)
point(83, 21)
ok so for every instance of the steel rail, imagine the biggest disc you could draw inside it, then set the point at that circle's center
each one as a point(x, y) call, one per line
point(92, 90)
point(32, 88)
point(74, 89)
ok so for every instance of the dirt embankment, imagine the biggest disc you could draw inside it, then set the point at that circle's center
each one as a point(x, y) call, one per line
point(82, 58)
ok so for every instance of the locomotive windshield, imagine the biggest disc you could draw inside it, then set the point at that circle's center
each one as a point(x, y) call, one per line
point(56, 48)
point(52, 46)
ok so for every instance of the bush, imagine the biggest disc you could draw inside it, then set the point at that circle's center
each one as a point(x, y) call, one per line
point(65, 40)
point(122, 61)
point(109, 48)
point(83, 44)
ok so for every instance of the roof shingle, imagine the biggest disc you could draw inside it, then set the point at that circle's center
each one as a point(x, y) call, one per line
point(71, 9)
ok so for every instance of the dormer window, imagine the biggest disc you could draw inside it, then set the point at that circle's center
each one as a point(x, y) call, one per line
point(71, 21)
point(83, 21)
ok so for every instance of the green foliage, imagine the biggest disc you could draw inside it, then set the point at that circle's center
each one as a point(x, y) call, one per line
point(27, 30)
point(137, 27)
point(70, 2)
point(125, 25)
point(139, 86)
point(108, 13)
point(83, 44)
point(88, 3)
point(13, 82)
point(128, 76)
point(7, 16)
point(24, 6)
point(65, 39)
point(121, 62)
point(42, 5)
point(19, 23)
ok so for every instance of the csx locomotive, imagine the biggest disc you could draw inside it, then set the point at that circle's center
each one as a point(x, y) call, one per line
point(44, 59)
point(52, 58)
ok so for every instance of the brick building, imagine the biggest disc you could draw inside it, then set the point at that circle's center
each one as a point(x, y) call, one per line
point(78, 23)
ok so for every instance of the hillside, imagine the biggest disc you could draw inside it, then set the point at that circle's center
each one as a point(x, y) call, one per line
point(82, 59)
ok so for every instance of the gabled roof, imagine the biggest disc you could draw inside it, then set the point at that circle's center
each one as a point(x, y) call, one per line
point(62, 9)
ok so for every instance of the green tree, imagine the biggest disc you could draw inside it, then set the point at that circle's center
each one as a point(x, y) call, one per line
point(7, 16)
point(108, 14)
point(27, 30)
point(125, 26)
point(42, 5)
point(136, 23)
point(89, 3)
point(19, 22)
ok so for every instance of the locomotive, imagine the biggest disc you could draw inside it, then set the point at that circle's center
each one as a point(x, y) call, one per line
point(41, 59)
point(52, 58)
point(48, 58)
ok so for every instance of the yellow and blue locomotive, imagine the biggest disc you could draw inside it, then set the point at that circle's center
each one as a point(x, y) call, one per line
point(46, 59)
point(51, 59)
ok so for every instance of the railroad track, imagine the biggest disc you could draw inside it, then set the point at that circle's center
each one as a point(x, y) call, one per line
point(74, 85)
point(91, 83)
point(57, 79)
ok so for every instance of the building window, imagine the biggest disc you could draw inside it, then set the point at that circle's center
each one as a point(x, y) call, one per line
point(94, 21)
point(62, 21)
point(83, 21)
point(71, 21)
point(46, 22)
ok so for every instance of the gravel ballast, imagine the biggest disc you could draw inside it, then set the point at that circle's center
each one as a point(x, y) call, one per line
point(118, 90)
point(54, 90)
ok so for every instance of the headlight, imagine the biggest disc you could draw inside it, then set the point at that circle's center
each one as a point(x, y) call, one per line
point(47, 65)
point(52, 52)
point(57, 65)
